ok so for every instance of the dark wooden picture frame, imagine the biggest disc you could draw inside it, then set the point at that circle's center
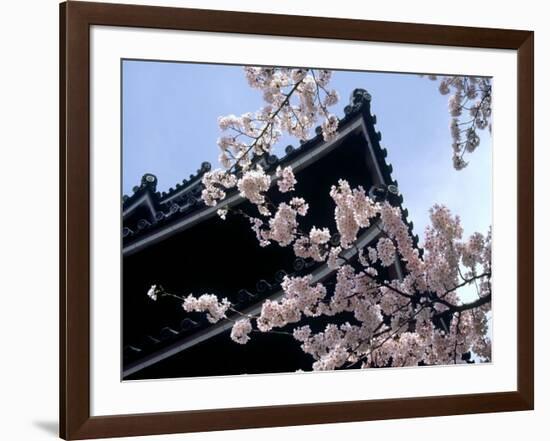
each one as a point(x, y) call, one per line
point(75, 21)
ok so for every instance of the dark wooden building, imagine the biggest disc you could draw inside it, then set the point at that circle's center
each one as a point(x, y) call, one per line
point(173, 239)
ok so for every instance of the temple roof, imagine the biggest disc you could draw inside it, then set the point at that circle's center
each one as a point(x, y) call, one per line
point(184, 199)
point(151, 211)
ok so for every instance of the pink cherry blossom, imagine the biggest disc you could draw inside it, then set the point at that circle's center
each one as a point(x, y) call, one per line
point(208, 303)
point(253, 184)
point(241, 330)
point(470, 101)
point(286, 179)
point(414, 318)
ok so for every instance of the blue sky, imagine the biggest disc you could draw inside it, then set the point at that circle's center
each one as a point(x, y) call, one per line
point(170, 113)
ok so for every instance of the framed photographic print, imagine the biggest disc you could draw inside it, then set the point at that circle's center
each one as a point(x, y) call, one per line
point(275, 220)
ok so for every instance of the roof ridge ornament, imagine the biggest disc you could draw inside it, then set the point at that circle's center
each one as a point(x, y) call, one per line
point(358, 98)
point(149, 180)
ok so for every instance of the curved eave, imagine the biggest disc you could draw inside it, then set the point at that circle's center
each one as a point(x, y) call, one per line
point(140, 199)
point(320, 274)
point(298, 160)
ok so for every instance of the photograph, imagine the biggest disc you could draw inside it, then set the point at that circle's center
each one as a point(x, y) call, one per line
point(274, 220)
point(282, 219)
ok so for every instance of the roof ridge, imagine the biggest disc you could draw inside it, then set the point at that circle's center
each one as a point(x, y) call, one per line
point(185, 197)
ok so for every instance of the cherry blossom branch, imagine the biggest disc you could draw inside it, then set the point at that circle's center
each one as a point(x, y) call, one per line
point(462, 91)
point(406, 320)
point(269, 125)
point(465, 306)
